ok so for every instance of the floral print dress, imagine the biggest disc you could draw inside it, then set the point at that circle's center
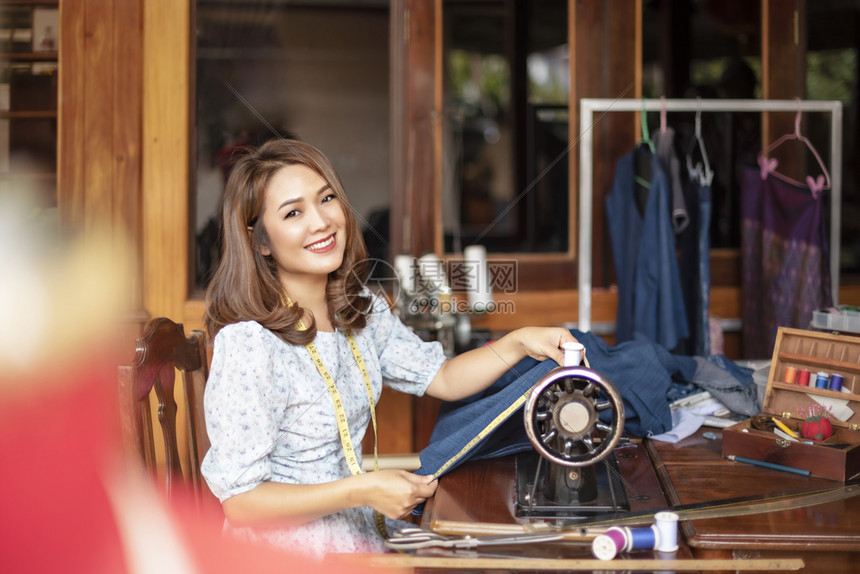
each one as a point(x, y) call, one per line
point(270, 417)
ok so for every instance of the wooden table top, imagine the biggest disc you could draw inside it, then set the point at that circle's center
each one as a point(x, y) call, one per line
point(478, 498)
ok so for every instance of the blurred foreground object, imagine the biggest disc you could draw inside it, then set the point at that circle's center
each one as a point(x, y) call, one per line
point(68, 503)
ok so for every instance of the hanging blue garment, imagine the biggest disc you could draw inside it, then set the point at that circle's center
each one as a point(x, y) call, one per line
point(694, 263)
point(650, 297)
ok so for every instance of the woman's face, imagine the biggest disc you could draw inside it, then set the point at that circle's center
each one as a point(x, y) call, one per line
point(305, 222)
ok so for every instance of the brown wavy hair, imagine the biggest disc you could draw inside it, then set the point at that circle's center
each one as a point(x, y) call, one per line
point(245, 286)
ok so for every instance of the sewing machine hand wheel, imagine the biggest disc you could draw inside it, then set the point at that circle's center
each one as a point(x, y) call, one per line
point(563, 411)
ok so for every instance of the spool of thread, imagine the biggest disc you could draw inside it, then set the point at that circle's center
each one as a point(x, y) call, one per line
point(835, 382)
point(479, 291)
point(803, 378)
point(404, 266)
point(821, 380)
point(573, 354)
point(667, 531)
point(618, 539)
point(790, 375)
point(432, 271)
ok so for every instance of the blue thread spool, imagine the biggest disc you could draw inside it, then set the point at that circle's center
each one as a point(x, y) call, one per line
point(835, 382)
point(821, 380)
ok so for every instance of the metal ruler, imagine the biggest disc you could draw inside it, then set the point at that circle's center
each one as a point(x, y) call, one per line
point(587, 529)
point(567, 564)
point(730, 507)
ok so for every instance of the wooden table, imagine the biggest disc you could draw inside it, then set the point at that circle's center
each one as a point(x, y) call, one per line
point(479, 497)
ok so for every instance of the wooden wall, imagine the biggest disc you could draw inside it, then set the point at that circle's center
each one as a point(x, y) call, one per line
point(125, 139)
point(100, 153)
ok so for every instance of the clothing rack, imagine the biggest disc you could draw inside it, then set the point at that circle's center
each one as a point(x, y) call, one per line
point(588, 106)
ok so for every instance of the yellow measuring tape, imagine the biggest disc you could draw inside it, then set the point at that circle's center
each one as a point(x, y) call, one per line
point(340, 413)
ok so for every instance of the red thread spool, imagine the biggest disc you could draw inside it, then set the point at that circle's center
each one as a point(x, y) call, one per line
point(803, 378)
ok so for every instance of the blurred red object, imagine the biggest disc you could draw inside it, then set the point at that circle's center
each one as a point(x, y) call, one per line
point(64, 509)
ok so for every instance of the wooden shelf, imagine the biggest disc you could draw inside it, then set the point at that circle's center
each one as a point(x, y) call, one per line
point(31, 114)
point(28, 115)
point(31, 2)
point(816, 391)
point(819, 362)
point(29, 56)
point(32, 176)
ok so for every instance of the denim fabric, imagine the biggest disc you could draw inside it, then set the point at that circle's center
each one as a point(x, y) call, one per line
point(694, 263)
point(640, 370)
point(728, 382)
point(650, 297)
point(461, 422)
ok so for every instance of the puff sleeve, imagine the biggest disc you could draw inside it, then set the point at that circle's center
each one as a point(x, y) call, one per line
point(408, 364)
point(245, 399)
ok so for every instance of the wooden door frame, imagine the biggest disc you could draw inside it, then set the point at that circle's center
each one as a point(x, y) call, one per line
point(167, 139)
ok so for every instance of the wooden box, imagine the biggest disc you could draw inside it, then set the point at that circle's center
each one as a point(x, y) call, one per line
point(837, 457)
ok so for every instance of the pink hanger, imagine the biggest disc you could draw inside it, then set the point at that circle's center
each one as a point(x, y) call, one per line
point(768, 165)
point(662, 114)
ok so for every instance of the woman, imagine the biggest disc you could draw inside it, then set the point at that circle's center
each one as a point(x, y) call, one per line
point(291, 319)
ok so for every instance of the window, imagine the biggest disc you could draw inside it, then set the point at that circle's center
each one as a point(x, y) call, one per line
point(505, 127)
point(315, 71)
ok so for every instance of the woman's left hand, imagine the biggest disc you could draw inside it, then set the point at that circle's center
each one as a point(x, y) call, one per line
point(544, 342)
point(475, 370)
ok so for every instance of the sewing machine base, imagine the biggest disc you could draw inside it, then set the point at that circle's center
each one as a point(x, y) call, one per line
point(603, 489)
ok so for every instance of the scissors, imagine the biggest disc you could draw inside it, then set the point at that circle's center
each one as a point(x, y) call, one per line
point(410, 538)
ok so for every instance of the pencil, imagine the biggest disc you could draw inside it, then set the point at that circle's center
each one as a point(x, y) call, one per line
point(768, 464)
point(783, 427)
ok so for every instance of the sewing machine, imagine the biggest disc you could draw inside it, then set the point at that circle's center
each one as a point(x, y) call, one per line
point(573, 473)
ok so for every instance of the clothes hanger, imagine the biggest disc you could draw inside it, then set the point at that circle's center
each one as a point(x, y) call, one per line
point(646, 139)
point(646, 135)
point(768, 165)
point(662, 114)
point(702, 170)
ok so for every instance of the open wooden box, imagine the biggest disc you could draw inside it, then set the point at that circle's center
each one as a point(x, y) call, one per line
point(837, 457)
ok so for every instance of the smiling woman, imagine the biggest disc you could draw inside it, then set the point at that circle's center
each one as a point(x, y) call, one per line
point(293, 322)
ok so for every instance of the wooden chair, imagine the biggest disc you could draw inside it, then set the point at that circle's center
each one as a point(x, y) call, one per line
point(161, 351)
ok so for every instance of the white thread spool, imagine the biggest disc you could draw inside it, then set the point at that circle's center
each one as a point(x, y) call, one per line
point(404, 266)
point(573, 353)
point(478, 289)
point(432, 270)
point(667, 531)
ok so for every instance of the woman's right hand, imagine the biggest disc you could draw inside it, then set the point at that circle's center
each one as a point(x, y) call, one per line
point(394, 493)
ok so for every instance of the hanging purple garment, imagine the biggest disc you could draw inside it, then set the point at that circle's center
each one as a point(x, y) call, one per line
point(784, 260)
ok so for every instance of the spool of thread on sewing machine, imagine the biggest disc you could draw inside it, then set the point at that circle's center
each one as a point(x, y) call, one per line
point(573, 354)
